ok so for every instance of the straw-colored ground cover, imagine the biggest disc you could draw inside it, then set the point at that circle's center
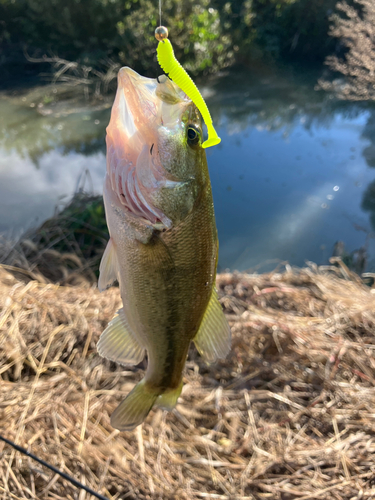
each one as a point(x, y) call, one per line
point(289, 415)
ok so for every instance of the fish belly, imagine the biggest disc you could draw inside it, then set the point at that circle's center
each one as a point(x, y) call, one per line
point(166, 285)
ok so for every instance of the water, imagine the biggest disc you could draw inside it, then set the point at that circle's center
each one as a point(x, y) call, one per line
point(293, 174)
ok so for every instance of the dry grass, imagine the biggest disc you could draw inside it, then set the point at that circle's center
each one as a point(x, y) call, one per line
point(289, 415)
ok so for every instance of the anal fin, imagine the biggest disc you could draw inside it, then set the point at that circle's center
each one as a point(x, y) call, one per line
point(119, 343)
point(213, 337)
point(108, 267)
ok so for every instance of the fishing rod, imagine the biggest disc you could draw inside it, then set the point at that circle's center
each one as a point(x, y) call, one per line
point(52, 468)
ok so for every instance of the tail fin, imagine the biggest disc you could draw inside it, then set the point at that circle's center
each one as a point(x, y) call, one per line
point(168, 400)
point(134, 409)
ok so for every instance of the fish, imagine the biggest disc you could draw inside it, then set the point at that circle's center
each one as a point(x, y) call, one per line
point(163, 245)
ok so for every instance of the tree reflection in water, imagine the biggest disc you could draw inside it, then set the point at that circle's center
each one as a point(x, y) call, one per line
point(368, 200)
point(51, 117)
point(280, 101)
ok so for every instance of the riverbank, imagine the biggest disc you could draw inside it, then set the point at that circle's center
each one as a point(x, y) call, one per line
point(289, 414)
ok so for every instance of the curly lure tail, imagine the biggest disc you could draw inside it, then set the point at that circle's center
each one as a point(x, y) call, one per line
point(176, 72)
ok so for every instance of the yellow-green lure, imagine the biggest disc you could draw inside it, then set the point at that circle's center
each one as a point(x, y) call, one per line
point(170, 65)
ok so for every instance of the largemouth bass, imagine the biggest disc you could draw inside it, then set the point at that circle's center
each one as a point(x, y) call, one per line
point(163, 243)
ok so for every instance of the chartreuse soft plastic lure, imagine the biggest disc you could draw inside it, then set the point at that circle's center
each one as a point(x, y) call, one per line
point(176, 72)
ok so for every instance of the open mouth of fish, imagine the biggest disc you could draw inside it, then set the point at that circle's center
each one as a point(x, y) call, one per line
point(146, 113)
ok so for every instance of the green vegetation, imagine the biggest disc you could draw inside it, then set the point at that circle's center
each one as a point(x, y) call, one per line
point(355, 30)
point(94, 30)
point(207, 35)
point(287, 29)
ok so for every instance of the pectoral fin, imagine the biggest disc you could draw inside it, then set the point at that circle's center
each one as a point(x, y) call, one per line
point(108, 267)
point(213, 337)
point(119, 343)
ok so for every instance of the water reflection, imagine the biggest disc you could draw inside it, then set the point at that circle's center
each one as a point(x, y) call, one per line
point(289, 178)
point(368, 200)
point(269, 101)
point(31, 128)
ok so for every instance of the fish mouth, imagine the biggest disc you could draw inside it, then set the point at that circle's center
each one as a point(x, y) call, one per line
point(146, 103)
point(142, 108)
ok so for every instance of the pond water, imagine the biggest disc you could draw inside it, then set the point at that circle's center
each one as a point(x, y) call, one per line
point(293, 175)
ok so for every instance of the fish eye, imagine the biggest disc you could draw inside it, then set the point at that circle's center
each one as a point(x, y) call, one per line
point(193, 135)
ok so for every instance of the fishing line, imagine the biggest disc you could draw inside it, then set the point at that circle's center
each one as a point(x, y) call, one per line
point(54, 469)
point(170, 66)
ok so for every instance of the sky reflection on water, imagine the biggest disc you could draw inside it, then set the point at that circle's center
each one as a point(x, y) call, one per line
point(290, 198)
point(289, 177)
